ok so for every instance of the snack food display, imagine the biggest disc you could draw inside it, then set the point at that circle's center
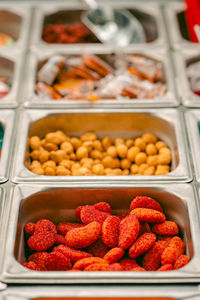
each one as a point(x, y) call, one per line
point(143, 240)
point(95, 77)
point(61, 155)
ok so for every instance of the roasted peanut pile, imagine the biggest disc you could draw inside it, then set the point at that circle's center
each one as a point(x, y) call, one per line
point(61, 155)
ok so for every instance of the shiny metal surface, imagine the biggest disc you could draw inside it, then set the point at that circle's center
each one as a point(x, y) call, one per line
point(179, 292)
point(150, 17)
point(166, 124)
point(32, 202)
point(7, 120)
point(37, 59)
point(182, 60)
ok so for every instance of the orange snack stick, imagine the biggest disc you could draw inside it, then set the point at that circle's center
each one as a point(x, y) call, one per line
point(103, 206)
point(60, 239)
point(181, 261)
point(83, 237)
point(29, 229)
point(39, 259)
point(78, 212)
point(31, 265)
point(97, 267)
point(144, 227)
point(166, 228)
point(142, 244)
point(90, 214)
point(128, 264)
point(110, 231)
point(138, 269)
point(98, 248)
point(114, 255)
point(167, 267)
point(128, 231)
point(165, 238)
point(97, 64)
point(73, 254)
point(148, 215)
point(64, 227)
point(56, 261)
point(42, 241)
point(152, 259)
point(114, 267)
point(173, 251)
point(145, 202)
point(83, 263)
point(44, 226)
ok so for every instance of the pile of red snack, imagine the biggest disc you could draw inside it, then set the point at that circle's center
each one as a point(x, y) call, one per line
point(68, 34)
point(138, 240)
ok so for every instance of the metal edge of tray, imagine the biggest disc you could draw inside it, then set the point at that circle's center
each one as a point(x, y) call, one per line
point(176, 39)
point(7, 119)
point(188, 98)
point(152, 8)
point(182, 292)
point(182, 173)
point(14, 272)
point(35, 101)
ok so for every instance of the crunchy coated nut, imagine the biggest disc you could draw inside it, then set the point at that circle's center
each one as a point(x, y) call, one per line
point(106, 142)
point(129, 143)
point(66, 163)
point(35, 142)
point(149, 138)
point(162, 170)
point(132, 152)
point(119, 141)
point(140, 158)
point(49, 171)
point(125, 163)
point(63, 137)
point(96, 161)
point(88, 145)
point(50, 147)
point(98, 169)
point(35, 154)
point(62, 171)
point(75, 166)
point(151, 149)
point(89, 136)
point(72, 156)
point(116, 163)
point(76, 142)
point(42, 142)
point(38, 171)
point(122, 150)
point(107, 162)
point(81, 172)
point(43, 156)
point(134, 169)
point(58, 155)
point(165, 150)
point(112, 151)
point(53, 137)
point(125, 172)
point(67, 147)
point(35, 164)
point(152, 160)
point(82, 152)
point(149, 171)
point(164, 159)
point(96, 154)
point(140, 143)
point(160, 145)
point(49, 164)
point(142, 168)
point(97, 145)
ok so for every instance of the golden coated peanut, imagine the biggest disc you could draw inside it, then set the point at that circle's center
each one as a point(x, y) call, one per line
point(58, 155)
point(164, 159)
point(63, 136)
point(50, 147)
point(88, 166)
point(72, 156)
point(149, 171)
point(81, 152)
point(75, 166)
point(89, 136)
point(97, 145)
point(35, 164)
point(116, 163)
point(88, 145)
point(86, 160)
point(81, 172)
point(66, 163)
point(134, 169)
point(129, 143)
point(53, 137)
point(50, 171)
point(161, 170)
point(151, 149)
point(152, 160)
point(104, 154)
point(119, 141)
point(96, 154)
point(125, 163)
point(160, 145)
point(44, 156)
point(98, 169)
point(125, 172)
point(35, 154)
point(67, 147)
point(107, 162)
point(38, 171)
point(62, 171)
point(49, 164)
point(106, 142)
point(149, 138)
point(142, 168)
point(165, 151)
point(42, 142)
point(112, 151)
point(35, 142)
point(140, 143)
point(122, 150)
point(117, 171)
point(76, 142)
point(96, 161)
point(140, 158)
point(132, 152)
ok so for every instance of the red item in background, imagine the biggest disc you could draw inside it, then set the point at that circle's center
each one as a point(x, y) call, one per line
point(192, 17)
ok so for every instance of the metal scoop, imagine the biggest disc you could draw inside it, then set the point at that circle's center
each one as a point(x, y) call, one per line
point(113, 26)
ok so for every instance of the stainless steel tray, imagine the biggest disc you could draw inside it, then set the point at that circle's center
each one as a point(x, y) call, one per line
point(173, 11)
point(11, 67)
point(32, 202)
point(38, 57)
point(7, 120)
point(149, 15)
point(181, 292)
point(15, 20)
point(166, 124)
point(182, 60)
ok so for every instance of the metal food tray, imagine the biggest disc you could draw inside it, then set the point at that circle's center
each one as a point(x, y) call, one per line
point(37, 58)
point(172, 10)
point(179, 292)
point(164, 123)
point(11, 67)
point(183, 59)
point(15, 20)
point(7, 120)
point(149, 15)
point(30, 203)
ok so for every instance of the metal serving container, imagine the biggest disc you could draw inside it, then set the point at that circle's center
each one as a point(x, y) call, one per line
point(7, 120)
point(175, 16)
point(15, 21)
point(149, 15)
point(170, 292)
point(11, 68)
point(30, 203)
point(166, 124)
point(38, 58)
point(183, 60)
point(193, 129)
